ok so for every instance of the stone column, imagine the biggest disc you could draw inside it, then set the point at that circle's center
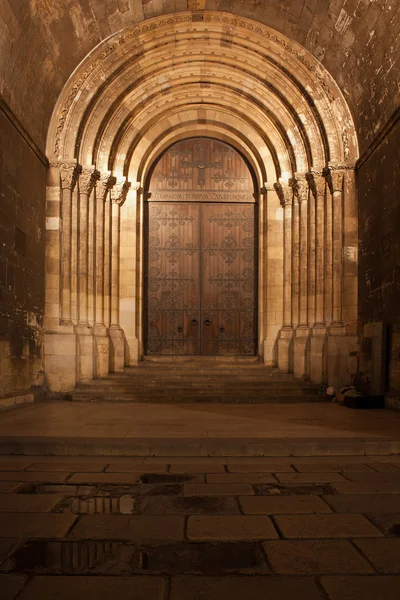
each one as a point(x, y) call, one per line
point(69, 172)
point(87, 182)
point(100, 331)
point(117, 350)
point(318, 333)
point(285, 195)
point(301, 339)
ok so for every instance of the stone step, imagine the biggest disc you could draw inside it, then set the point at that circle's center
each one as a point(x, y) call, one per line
point(189, 398)
point(202, 384)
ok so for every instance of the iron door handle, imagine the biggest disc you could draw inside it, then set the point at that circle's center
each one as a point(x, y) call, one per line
point(194, 323)
point(207, 323)
point(180, 329)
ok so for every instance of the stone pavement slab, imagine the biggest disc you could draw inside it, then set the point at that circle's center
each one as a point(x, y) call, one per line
point(325, 526)
point(244, 588)
point(367, 587)
point(217, 489)
point(124, 478)
point(71, 466)
point(40, 525)
point(126, 467)
point(7, 487)
point(10, 585)
point(366, 488)
point(371, 477)
point(240, 478)
point(33, 503)
point(94, 588)
point(383, 467)
point(199, 467)
point(309, 477)
point(363, 503)
point(7, 546)
point(312, 557)
point(7, 464)
point(141, 529)
point(286, 505)
point(384, 554)
point(42, 476)
point(258, 467)
point(389, 523)
point(326, 467)
point(230, 528)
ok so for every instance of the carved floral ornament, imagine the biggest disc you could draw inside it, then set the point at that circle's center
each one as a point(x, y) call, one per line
point(316, 183)
point(87, 179)
point(285, 193)
point(120, 191)
point(334, 179)
point(69, 173)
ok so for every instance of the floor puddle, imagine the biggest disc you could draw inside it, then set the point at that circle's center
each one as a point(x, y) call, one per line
point(98, 505)
point(62, 488)
point(116, 558)
point(202, 558)
point(139, 490)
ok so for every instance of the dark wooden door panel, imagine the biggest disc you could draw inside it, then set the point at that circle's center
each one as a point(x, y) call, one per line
point(228, 279)
point(173, 283)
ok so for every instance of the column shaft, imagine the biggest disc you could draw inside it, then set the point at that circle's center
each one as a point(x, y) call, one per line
point(114, 300)
point(295, 263)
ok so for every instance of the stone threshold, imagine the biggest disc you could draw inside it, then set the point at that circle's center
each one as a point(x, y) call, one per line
point(251, 447)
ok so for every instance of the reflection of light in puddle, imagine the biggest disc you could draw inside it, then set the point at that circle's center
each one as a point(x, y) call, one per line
point(103, 505)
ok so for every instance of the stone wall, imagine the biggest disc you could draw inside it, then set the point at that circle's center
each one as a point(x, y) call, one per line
point(379, 265)
point(357, 41)
point(22, 215)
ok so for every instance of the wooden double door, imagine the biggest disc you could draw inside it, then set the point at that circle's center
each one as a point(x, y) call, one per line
point(200, 279)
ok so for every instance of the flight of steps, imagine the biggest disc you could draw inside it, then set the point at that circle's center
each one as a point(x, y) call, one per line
point(199, 379)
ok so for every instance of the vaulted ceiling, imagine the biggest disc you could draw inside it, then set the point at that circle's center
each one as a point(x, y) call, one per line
point(42, 42)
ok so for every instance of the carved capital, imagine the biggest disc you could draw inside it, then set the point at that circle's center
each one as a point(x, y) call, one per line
point(106, 183)
point(269, 187)
point(334, 179)
point(316, 183)
point(87, 180)
point(300, 187)
point(285, 193)
point(69, 173)
point(119, 191)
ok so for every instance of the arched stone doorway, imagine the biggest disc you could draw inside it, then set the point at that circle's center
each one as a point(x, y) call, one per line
point(201, 252)
point(247, 86)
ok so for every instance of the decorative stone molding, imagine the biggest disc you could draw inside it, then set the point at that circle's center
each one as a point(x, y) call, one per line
point(300, 187)
point(106, 183)
point(334, 179)
point(120, 191)
point(285, 193)
point(69, 173)
point(316, 183)
point(88, 179)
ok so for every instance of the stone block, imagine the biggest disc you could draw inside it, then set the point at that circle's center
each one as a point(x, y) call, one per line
point(326, 467)
point(28, 503)
point(141, 529)
point(384, 554)
point(217, 489)
point(132, 467)
point(99, 588)
point(37, 477)
point(241, 478)
point(10, 585)
point(309, 477)
point(359, 587)
point(243, 588)
point(7, 487)
point(325, 526)
point(366, 488)
point(364, 503)
point(375, 478)
point(258, 467)
point(122, 478)
point(42, 525)
point(311, 557)
point(71, 466)
point(286, 505)
point(199, 467)
point(230, 527)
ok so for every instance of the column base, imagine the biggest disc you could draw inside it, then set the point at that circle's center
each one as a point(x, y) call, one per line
point(133, 351)
point(86, 353)
point(102, 350)
point(300, 346)
point(285, 344)
point(60, 353)
point(117, 349)
point(317, 354)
